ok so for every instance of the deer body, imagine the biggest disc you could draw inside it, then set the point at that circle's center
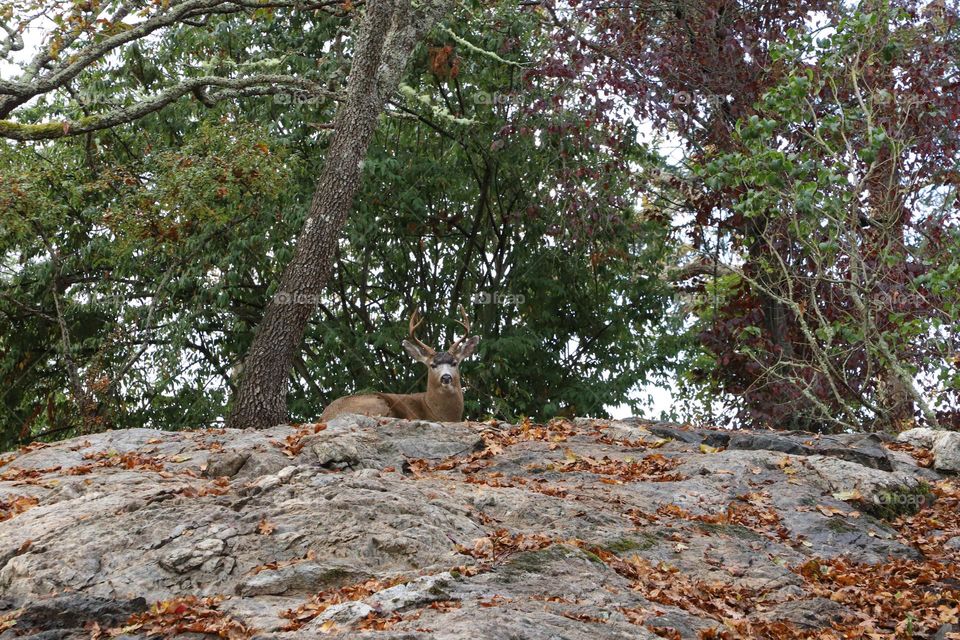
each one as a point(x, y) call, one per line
point(441, 402)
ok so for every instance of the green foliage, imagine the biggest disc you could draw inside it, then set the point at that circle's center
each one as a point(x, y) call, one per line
point(138, 245)
point(456, 213)
point(821, 191)
point(154, 248)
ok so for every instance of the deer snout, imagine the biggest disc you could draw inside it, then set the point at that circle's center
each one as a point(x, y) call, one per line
point(446, 378)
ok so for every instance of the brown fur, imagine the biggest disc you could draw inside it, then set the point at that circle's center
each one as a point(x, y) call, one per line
point(413, 406)
point(440, 403)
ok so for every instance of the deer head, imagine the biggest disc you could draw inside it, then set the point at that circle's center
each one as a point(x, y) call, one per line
point(443, 373)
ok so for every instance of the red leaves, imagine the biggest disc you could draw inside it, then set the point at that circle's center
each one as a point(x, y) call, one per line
point(557, 430)
point(752, 511)
point(665, 632)
point(494, 601)
point(495, 441)
point(376, 622)
point(498, 480)
point(583, 617)
point(934, 524)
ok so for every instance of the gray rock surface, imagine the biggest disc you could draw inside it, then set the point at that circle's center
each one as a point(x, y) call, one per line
point(410, 529)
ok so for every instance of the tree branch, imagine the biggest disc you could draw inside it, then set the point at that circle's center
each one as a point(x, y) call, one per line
point(229, 88)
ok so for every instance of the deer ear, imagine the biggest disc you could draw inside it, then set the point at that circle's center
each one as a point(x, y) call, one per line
point(416, 352)
point(467, 348)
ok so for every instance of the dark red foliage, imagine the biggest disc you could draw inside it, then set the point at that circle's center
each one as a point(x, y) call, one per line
point(694, 68)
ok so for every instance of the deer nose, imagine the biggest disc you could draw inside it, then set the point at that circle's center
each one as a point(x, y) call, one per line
point(446, 378)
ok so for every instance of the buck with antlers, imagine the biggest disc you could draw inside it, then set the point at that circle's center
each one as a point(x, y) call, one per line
point(443, 399)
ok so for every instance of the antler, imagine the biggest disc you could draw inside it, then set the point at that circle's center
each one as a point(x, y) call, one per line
point(414, 323)
point(465, 323)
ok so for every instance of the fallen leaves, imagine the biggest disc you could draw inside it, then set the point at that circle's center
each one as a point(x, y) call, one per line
point(652, 468)
point(326, 599)
point(26, 476)
point(625, 443)
point(554, 432)
point(665, 632)
point(293, 444)
point(495, 601)
point(753, 511)
point(79, 470)
point(930, 528)
point(924, 457)
point(902, 597)
point(583, 617)
point(786, 465)
point(926, 593)
point(132, 460)
point(265, 528)
point(279, 564)
point(666, 584)
point(495, 442)
point(220, 486)
point(182, 615)
point(853, 495)
point(33, 446)
point(8, 619)
point(501, 543)
point(14, 506)
point(375, 622)
point(898, 598)
point(497, 479)
point(830, 511)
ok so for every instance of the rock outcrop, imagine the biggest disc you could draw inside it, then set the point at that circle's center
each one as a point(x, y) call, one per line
point(584, 529)
point(944, 445)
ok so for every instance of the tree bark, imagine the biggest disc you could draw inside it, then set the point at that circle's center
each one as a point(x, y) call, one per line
point(388, 33)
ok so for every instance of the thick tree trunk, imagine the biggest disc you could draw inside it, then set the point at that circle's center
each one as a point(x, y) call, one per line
point(388, 34)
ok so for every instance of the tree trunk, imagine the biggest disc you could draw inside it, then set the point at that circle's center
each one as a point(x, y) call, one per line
point(387, 36)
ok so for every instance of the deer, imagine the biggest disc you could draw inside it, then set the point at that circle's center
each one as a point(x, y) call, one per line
point(443, 399)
